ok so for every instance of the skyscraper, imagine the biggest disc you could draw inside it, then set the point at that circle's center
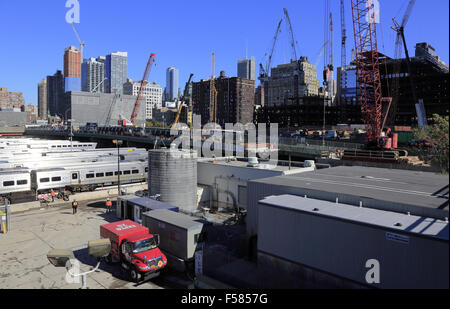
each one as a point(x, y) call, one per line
point(92, 74)
point(171, 93)
point(72, 69)
point(55, 94)
point(42, 99)
point(116, 72)
point(247, 68)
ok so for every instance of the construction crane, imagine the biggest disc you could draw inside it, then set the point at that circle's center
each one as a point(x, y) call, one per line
point(400, 29)
point(343, 85)
point(98, 85)
point(183, 99)
point(291, 33)
point(212, 93)
point(82, 43)
point(264, 71)
point(368, 71)
point(108, 116)
point(148, 68)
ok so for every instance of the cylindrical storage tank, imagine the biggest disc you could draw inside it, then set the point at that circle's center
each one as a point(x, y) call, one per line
point(173, 175)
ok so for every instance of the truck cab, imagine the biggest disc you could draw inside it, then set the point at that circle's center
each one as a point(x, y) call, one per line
point(134, 248)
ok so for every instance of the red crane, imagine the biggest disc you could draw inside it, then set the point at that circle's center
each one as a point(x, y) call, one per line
point(144, 81)
point(368, 72)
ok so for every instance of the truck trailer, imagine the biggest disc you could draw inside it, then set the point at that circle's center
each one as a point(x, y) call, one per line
point(181, 235)
point(135, 249)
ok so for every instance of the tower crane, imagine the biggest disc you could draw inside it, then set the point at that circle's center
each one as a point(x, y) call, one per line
point(343, 53)
point(400, 29)
point(144, 81)
point(183, 99)
point(82, 43)
point(212, 93)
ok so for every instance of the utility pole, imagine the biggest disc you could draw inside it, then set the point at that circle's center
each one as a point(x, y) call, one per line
point(118, 143)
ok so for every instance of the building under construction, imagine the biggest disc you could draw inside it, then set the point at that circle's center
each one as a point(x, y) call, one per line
point(431, 77)
point(235, 100)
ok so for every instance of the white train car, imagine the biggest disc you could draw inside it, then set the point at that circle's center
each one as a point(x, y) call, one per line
point(13, 181)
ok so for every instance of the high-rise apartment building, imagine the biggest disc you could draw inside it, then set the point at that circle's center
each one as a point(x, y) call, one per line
point(152, 95)
point(11, 99)
point(93, 75)
point(55, 94)
point(72, 69)
point(171, 92)
point(42, 99)
point(235, 99)
point(286, 79)
point(116, 72)
point(247, 68)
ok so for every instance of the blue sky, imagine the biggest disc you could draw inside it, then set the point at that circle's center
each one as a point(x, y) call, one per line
point(34, 34)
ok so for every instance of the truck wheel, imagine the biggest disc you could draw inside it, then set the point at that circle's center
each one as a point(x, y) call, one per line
point(134, 275)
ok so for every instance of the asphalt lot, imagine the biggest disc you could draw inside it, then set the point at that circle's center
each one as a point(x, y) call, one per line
point(23, 250)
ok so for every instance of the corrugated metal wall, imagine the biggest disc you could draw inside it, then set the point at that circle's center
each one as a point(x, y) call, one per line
point(343, 248)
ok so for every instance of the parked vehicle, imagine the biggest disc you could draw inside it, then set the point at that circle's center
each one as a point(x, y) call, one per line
point(135, 249)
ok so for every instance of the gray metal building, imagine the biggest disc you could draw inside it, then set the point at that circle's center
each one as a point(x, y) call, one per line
point(10, 118)
point(337, 245)
point(420, 193)
point(227, 179)
point(85, 107)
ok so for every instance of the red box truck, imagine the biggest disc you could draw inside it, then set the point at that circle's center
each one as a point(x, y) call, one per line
point(134, 248)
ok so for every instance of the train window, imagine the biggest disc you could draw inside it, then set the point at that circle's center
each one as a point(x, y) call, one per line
point(56, 178)
point(109, 174)
point(100, 175)
point(44, 180)
point(146, 169)
point(8, 183)
point(74, 176)
point(89, 175)
point(135, 171)
point(126, 172)
point(22, 182)
point(59, 146)
point(116, 173)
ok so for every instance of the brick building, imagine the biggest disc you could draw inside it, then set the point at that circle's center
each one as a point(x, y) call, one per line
point(235, 99)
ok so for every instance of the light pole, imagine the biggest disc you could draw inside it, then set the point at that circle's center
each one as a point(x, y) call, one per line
point(118, 143)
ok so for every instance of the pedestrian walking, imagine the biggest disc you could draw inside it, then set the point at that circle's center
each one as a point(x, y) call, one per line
point(53, 195)
point(74, 206)
point(108, 205)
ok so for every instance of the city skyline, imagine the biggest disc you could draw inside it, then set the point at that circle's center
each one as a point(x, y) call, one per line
point(228, 43)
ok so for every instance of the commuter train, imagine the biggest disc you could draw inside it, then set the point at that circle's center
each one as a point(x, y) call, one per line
point(76, 178)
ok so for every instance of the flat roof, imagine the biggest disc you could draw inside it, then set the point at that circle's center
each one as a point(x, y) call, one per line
point(415, 188)
point(386, 219)
point(244, 164)
point(175, 218)
point(148, 202)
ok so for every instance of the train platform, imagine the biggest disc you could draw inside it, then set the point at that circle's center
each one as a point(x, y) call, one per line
point(100, 193)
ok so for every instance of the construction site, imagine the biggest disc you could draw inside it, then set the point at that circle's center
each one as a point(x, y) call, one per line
point(123, 193)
